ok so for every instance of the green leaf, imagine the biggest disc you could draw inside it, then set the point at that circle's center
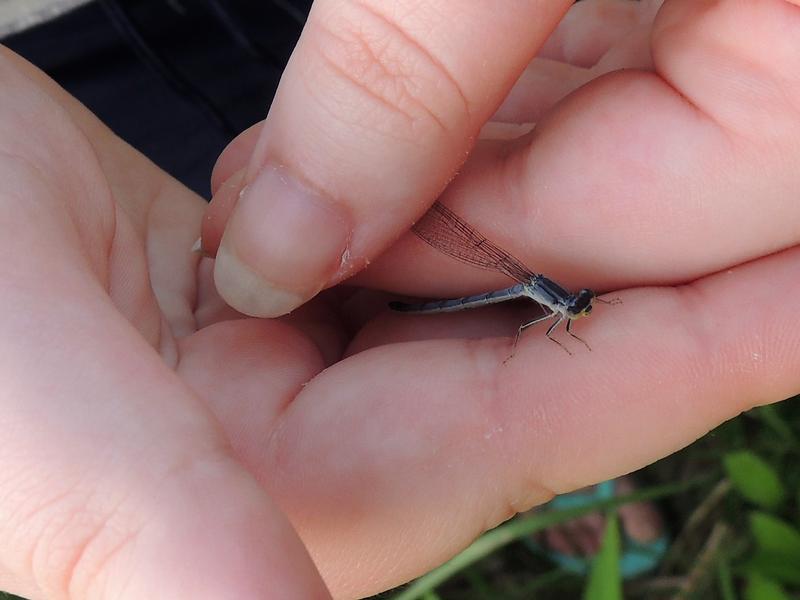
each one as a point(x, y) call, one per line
point(761, 588)
point(755, 479)
point(775, 536)
point(778, 548)
point(605, 580)
point(772, 566)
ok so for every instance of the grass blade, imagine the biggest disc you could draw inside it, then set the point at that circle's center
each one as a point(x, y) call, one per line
point(605, 580)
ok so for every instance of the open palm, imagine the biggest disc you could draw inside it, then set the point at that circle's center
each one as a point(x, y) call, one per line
point(153, 436)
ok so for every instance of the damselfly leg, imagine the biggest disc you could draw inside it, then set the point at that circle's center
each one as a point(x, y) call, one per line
point(569, 331)
point(613, 301)
point(552, 339)
point(552, 315)
point(524, 326)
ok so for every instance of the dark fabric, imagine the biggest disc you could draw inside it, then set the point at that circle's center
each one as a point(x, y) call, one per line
point(176, 79)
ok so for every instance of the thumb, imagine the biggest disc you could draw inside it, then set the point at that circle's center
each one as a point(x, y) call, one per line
point(379, 105)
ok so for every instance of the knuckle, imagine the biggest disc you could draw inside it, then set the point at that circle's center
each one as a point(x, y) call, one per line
point(373, 63)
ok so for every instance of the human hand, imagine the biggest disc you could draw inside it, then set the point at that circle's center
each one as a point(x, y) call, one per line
point(116, 480)
point(651, 177)
point(390, 461)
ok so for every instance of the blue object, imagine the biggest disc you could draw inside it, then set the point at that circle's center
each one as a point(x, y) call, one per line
point(637, 557)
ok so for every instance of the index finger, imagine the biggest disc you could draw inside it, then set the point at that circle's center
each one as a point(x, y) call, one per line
point(379, 105)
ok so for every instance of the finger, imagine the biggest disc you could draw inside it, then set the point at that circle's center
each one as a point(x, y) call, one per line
point(235, 155)
point(443, 432)
point(546, 82)
point(747, 87)
point(376, 110)
point(653, 192)
point(226, 184)
point(247, 371)
point(590, 28)
point(542, 85)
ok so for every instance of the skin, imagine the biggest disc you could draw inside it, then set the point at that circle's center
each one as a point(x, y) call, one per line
point(154, 438)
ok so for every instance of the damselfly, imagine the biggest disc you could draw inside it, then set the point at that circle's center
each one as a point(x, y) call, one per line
point(447, 232)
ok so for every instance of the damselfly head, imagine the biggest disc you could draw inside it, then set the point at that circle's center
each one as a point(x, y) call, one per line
point(580, 304)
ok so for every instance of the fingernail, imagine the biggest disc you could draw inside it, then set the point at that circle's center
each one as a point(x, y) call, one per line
point(282, 244)
point(247, 291)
